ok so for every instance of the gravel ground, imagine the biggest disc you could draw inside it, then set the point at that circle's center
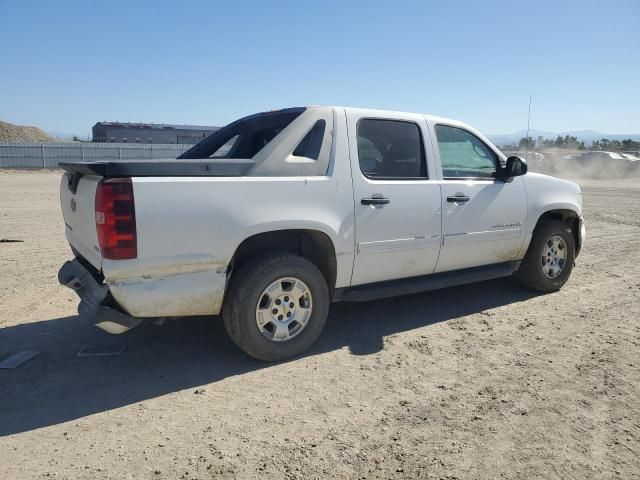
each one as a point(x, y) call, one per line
point(483, 381)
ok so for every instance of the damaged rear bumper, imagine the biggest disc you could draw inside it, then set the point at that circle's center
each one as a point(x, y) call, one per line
point(93, 295)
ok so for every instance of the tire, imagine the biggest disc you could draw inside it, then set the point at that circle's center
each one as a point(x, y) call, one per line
point(247, 301)
point(541, 274)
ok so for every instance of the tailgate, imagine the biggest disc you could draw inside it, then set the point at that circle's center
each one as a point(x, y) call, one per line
point(77, 198)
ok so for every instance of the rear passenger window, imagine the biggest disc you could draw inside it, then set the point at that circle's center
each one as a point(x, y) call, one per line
point(311, 144)
point(390, 149)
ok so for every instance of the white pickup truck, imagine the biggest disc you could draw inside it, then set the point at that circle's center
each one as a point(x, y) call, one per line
point(273, 217)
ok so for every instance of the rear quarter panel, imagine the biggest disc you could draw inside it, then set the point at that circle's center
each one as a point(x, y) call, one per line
point(211, 217)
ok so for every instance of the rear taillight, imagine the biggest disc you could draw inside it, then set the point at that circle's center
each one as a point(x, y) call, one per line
point(116, 219)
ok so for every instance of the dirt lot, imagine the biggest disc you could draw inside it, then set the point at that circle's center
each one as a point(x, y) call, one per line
point(483, 381)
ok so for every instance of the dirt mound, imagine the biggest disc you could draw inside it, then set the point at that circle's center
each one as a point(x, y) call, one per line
point(17, 133)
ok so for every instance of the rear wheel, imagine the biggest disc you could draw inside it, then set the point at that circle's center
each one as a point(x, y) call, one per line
point(276, 306)
point(549, 260)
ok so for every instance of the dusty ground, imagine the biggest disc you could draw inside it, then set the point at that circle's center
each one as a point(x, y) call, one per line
point(483, 381)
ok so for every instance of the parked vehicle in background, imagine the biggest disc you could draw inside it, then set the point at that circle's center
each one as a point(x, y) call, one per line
point(610, 164)
point(599, 156)
point(276, 215)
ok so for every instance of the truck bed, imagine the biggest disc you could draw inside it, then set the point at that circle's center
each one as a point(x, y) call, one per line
point(169, 167)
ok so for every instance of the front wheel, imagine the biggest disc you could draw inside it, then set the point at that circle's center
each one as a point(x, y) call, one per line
point(276, 306)
point(549, 260)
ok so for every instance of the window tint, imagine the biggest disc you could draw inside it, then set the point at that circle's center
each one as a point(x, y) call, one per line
point(464, 155)
point(253, 133)
point(390, 149)
point(311, 144)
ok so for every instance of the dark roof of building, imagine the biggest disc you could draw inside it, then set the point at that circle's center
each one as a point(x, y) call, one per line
point(157, 126)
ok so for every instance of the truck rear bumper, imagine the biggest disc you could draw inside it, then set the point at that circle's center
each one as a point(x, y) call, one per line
point(92, 297)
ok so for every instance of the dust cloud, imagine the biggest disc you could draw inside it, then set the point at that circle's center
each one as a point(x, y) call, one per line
point(566, 164)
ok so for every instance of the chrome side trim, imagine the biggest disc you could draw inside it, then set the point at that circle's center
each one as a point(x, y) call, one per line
point(414, 243)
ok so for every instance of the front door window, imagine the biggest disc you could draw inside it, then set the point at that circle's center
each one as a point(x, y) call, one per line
point(463, 155)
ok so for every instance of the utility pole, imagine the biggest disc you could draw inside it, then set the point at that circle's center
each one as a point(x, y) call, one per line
point(526, 145)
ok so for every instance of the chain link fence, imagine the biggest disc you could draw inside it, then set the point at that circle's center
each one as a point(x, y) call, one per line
point(48, 154)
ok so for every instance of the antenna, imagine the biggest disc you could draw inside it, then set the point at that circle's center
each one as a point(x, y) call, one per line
point(526, 145)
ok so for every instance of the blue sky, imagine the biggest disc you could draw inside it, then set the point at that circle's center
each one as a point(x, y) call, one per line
point(66, 65)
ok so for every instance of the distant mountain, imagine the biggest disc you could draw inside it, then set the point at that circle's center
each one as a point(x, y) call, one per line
point(586, 136)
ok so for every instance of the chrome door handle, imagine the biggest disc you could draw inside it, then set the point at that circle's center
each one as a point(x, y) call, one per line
point(458, 198)
point(375, 201)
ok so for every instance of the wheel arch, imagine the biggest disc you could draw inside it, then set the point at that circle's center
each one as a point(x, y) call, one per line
point(314, 245)
point(568, 216)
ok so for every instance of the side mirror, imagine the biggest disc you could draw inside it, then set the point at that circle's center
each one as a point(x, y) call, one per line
point(515, 167)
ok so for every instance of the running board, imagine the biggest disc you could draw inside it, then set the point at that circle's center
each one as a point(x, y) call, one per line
point(435, 281)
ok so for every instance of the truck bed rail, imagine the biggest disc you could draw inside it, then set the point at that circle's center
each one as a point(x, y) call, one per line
point(161, 168)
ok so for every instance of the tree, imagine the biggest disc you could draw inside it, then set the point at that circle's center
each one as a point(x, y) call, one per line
point(527, 143)
point(615, 145)
point(559, 142)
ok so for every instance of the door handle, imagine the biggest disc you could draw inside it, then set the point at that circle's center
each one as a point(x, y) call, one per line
point(375, 201)
point(458, 198)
